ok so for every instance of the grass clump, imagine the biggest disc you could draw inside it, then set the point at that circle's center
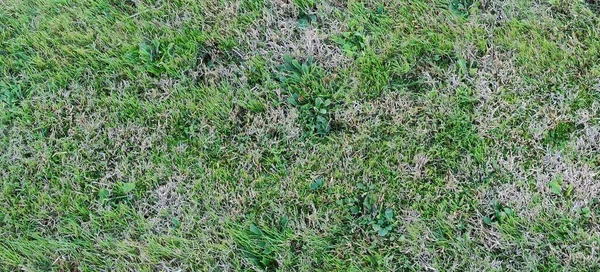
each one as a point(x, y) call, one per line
point(261, 245)
point(310, 92)
point(561, 133)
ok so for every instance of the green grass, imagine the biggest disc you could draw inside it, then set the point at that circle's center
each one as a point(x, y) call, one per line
point(304, 135)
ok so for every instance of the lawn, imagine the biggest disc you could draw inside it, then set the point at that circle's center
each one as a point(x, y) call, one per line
point(299, 135)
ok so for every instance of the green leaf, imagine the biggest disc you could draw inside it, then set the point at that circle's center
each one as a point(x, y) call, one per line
point(501, 216)
point(462, 66)
point(176, 222)
point(127, 187)
point(555, 186)
point(292, 100)
point(509, 211)
point(383, 232)
point(287, 59)
point(145, 52)
point(305, 68)
point(303, 22)
point(103, 194)
point(318, 183)
point(569, 190)
point(487, 220)
point(586, 212)
point(389, 214)
point(284, 222)
point(256, 230)
point(296, 64)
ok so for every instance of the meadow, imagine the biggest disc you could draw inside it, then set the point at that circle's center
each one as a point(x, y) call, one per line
point(299, 135)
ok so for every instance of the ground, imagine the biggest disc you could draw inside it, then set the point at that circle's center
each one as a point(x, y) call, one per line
point(299, 135)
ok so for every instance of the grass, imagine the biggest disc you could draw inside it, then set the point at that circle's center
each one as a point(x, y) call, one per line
point(426, 135)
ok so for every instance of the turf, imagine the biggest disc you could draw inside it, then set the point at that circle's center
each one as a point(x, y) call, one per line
point(299, 135)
